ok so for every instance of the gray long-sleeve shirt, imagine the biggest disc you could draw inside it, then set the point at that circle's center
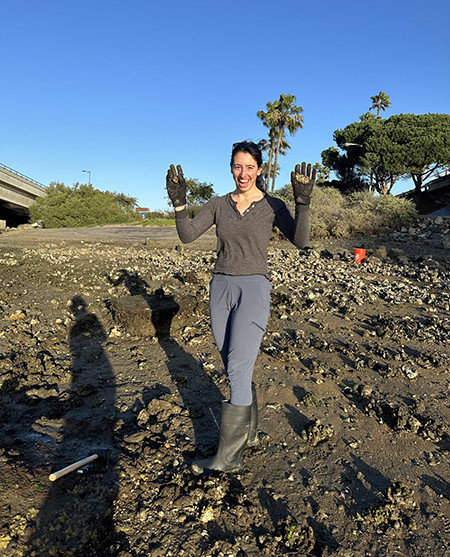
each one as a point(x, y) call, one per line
point(242, 239)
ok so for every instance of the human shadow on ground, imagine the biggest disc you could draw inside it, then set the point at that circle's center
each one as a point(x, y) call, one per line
point(296, 419)
point(438, 484)
point(221, 529)
point(357, 474)
point(201, 397)
point(279, 513)
point(274, 505)
point(76, 518)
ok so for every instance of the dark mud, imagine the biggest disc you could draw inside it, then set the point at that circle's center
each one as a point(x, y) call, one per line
point(104, 342)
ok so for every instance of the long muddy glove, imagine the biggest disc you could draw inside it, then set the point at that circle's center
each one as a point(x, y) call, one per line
point(176, 186)
point(303, 181)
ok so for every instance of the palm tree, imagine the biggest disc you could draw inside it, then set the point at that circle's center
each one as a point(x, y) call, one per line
point(268, 145)
point(281, 115)
point(380, 102)
point(286, 116)
point(268, 121)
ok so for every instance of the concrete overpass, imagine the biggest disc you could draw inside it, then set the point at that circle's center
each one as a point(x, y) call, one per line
point(17, 193)
point(435, 196)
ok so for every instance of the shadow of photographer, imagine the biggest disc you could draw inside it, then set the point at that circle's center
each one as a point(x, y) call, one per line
point(76, 517)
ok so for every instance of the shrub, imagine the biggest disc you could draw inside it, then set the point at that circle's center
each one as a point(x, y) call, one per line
point(333, 214)
point(160, 215)
point(395, 211)
point(159, 221)
point(82, 205)
point(326, 212)
point(160, 218)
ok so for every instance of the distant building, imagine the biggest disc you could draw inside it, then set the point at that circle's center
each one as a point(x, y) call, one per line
point(143, 211)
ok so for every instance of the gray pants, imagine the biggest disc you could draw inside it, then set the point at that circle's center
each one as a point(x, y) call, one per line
point(239, 308)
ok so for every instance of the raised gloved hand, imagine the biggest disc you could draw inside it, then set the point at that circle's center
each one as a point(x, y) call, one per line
point(176, 186)
point(303, 182)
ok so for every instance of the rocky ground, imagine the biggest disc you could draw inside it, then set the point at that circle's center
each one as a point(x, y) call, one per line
point(106, 344)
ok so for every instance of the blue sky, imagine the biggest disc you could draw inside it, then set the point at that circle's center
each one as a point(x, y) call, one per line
point(124, 88)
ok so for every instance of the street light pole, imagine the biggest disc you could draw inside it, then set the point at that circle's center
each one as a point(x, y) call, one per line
point(89, 172)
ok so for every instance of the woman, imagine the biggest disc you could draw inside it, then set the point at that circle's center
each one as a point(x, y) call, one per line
point(240, 287)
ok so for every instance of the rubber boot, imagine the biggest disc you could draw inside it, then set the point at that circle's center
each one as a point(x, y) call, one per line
point(253, 439)
point(234, 427)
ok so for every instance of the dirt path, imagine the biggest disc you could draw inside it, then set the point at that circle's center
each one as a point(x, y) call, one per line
point(106, 234)
point(352, 383)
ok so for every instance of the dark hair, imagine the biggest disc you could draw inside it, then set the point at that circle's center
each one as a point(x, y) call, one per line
point(253, 150)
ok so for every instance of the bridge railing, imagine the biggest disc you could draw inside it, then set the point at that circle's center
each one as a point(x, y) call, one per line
point(21, 175)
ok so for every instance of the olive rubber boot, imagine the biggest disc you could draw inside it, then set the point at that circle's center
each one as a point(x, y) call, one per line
point(233, 434)
point(253, 439)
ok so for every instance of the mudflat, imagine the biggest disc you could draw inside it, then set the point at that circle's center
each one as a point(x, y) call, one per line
point(105, 343)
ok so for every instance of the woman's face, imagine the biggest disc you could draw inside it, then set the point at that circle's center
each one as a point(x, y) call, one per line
point(245, 170)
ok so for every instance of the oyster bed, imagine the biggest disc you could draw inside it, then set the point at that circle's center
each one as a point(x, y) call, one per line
point(352, 381)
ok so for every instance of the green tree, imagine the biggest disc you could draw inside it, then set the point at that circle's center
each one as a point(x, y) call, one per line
point(82, 205)
point(425, 145)
point(367, 116)
point(323, 173)
point(371, 146)
point(402, 146)
point(380, 102)
point(345, 164)
point(282, 116)
point(198, 192)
